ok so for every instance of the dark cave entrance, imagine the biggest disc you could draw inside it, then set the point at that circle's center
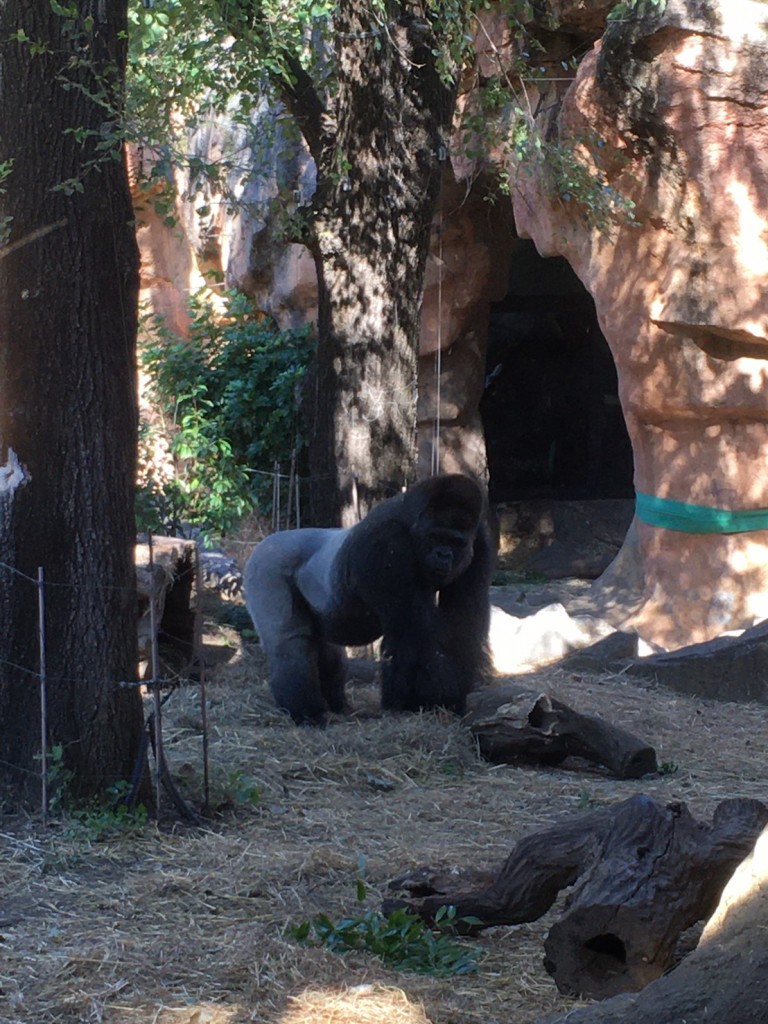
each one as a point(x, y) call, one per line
point(551, 415)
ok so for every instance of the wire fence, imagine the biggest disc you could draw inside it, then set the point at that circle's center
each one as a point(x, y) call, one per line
point(153, 686)
point(286, 514)
point(291, 517)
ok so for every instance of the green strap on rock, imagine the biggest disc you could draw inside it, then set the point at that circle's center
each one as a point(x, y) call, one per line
point(679, 515)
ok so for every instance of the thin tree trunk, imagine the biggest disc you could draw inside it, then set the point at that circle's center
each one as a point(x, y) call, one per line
point(68, 414)
point(379, 180)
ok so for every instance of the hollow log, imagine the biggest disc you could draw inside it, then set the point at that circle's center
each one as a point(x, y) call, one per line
point(724, 979)
point(512, 725)
point(644, 873)
point(525, 886)
point(659, 872)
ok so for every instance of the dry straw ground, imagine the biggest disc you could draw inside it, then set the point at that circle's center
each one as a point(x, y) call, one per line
point(175, 925)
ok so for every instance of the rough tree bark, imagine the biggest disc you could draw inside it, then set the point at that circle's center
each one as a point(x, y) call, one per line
point(378, 152)
point(68, 415)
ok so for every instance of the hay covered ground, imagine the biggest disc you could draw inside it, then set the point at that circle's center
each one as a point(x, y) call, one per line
point(168, 924)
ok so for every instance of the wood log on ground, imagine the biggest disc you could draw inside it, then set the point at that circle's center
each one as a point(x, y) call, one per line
point(724, 980)
point(513, 725)
point(646, 872)
point(523, 889)
point(659, 871)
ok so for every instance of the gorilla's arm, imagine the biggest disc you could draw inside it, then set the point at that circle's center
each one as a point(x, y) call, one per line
point(435, 652)
point(465, 614)
point(378, 568)
point(415, 673)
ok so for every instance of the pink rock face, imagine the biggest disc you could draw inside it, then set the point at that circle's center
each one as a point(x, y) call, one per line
point(674, 109)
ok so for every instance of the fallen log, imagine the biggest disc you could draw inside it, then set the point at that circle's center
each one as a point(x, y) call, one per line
point(513, 725)
point(523, 889)
point(659, 871)
point(644, 873)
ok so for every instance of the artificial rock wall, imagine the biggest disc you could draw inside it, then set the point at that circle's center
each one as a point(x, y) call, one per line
point(679, 102)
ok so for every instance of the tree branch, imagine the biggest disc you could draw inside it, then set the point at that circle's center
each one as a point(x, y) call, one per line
point(303, 102)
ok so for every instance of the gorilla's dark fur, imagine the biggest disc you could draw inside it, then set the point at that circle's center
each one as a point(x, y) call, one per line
point(415, 571)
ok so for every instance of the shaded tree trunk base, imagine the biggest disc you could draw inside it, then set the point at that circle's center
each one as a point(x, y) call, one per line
point(643, 873)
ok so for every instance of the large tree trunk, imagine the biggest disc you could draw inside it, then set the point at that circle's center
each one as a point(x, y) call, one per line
point(378, 182)
point(68, 415)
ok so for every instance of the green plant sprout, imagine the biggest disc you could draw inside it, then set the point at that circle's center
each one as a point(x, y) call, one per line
point(400, 939)
point(98, 818)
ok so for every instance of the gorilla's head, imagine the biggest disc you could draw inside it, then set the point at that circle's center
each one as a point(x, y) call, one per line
point(444, 514)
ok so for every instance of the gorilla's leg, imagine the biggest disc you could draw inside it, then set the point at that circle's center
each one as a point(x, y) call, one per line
point(294, 678)
point(287, 628)
point(416, 675)
point(332, 667)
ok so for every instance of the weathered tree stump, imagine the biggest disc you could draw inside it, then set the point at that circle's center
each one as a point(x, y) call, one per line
point(644, 873)
point(173, 587)
point(513, 725)
point(659, 871)
point(724, 979)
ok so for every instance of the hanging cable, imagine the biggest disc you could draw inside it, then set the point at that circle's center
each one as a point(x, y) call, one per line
point(435, 464)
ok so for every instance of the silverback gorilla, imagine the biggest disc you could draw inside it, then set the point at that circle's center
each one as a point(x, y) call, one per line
point(415, 571)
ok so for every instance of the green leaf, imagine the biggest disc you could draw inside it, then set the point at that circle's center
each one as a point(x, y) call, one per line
point(62, 11)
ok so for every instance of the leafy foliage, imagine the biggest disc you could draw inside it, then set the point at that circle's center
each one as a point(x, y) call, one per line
point(227, 55)
point(239, 788)
point(189, 58)
point(96, 819)
point(573, 168)
point(228, 403)
point(636, 9)
point(401, 939)
point(59, 779)
point(100, 820)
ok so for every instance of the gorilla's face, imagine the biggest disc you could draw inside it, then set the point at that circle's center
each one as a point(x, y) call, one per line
point(444, 550)
point(447, 554)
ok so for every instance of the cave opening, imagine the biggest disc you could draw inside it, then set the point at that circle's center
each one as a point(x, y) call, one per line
point(551, 415)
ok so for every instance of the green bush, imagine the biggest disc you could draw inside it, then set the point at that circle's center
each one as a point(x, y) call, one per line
point(227, 405)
